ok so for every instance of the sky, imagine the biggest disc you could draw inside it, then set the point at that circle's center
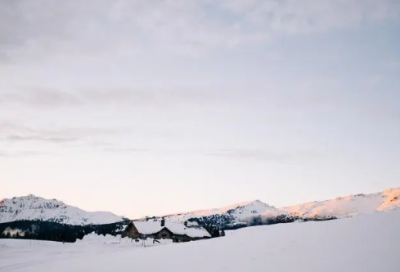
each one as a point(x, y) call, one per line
point(160, 106)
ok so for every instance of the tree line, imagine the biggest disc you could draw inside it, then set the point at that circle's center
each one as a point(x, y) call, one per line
point(51, 231)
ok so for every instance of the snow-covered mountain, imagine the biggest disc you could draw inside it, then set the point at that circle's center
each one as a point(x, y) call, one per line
point(257, 212)
point(362, 244)
point(349, 205)
point(237, 215)
point(230, 217)
point(240, 211)
point(36, 208)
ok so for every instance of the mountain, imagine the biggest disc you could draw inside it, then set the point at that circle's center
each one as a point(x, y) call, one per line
point(348, 206)
point(257, 213)
point(39, 209)
point(229, 217)
point(240, 211)
point(233, 216)
point(360, 244)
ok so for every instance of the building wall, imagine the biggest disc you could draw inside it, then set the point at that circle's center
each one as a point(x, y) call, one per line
point(132, 232)
point(182, 238)
point(163, 234)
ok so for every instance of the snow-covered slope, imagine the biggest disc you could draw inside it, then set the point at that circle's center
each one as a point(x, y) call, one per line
point(229, 217)
point(365, 243)
point(36, 208)
point(249, 212)
point(240, 211)
point(349, 205)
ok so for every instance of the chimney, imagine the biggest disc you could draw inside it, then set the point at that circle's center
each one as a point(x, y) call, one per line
point(163, 222)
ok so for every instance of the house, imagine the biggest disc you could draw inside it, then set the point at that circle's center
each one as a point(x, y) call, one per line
point(175, 231)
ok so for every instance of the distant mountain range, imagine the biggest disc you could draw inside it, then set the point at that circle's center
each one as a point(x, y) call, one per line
point(349, 206)
point(257, 212)
point(35, 208)
point(238, 215)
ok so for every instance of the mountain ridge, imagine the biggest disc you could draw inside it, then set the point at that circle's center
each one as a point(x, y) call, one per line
point(350, 205)
point(257, 212)
point(32, 207)
point(240, 214)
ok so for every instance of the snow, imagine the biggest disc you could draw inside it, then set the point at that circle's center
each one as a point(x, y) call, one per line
point(240, 211)
point(36, 208)
point(350, 205)
point(151, 227)
point(367, 243)
point(95, 239)
point(340, 207)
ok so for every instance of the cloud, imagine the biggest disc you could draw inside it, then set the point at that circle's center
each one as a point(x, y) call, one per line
point(38, 137)
point(291, 16)
point(24, 154)
point(263, 155)
point(44, 98)
point(42, 28)
point(40, 97)
point(10, 132)
point(127, 150)
point(230, 154)
point(53, 98)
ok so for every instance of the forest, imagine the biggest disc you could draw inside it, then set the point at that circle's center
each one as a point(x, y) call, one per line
point(51, 231)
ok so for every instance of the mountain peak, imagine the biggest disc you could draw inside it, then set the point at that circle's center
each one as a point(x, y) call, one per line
point(339, 207)
point(32, 207)
point(350, 205)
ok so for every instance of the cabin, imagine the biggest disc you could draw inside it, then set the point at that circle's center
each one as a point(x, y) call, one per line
point(175, 231)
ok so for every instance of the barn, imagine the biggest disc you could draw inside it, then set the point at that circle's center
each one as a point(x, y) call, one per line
point(175, 231)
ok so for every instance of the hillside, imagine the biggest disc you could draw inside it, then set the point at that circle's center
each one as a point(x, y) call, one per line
point(348, 206)
point(365, 243)
point(257, 212)
point(39, 209)
point(241, 211)
point(232, 216)
point(228, 217)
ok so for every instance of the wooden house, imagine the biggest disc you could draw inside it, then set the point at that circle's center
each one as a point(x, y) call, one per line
point(175, 231)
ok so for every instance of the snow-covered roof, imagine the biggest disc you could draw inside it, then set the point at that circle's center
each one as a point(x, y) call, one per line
point(151, 227)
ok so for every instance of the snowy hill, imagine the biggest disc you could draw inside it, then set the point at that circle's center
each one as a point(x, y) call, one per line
point(36, 208)
point(240, 211)
point(233, 216)
point(349, 205)
point(257, 212)
point(365, 243)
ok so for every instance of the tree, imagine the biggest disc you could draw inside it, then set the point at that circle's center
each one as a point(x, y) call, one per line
point(255, 221)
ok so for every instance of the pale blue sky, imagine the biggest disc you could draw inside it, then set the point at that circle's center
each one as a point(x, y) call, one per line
point(153, 107)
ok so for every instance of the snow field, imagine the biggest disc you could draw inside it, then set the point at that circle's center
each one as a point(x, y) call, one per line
point(368, 243)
